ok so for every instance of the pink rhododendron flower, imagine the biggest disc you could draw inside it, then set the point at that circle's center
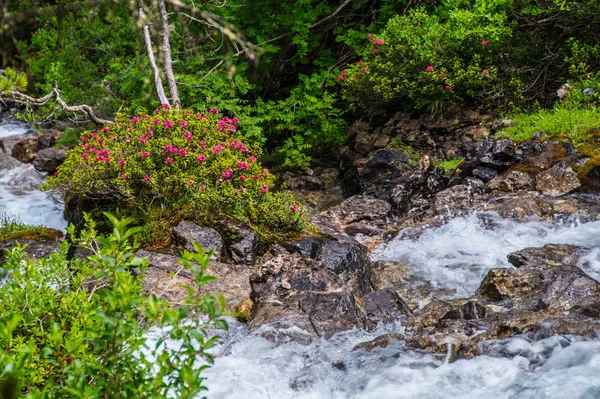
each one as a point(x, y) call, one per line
point(100, 140)
point(264, 189)
point(145, 116)
point(85, 156)
point(251, 159)
point(106, 129)
point(265, 171)
point(56, 173)
point(219, 180)
point(294, 208)
point(165, 106)
point(227, 174)
point(145, 154)
point(144, 139)
point(441, 75)
point(429, 68)
point(202, 188)
point(87, 146)
point(190, 181)
point(122, 162)
point(485, 42)
point(375, 51)
point(151, 132)
point(486, 72)
point(146, 177)
point(344, 73)
point(255, 177)
point(168, 160)
point(369, 36)
point(188, 135)
point(201, 158)
point(183, 123)
point(135, 119)
point(128, 141)
point(155, 121)
point(242, 165)
point(243, 178)
point(94, 151)
point(363, 69)
point(214, 111)
point(378, 42)
point(236, 191)
point(85, 139)
point(123, 176)
point(359, 62)
point(106, 159)
point(203, 144)
point(447, 87)
point(183, 152)
point(168, 124)
point(340, 78)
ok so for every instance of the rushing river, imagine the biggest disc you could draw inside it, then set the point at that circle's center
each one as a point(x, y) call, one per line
point(20, 196)
point(455, 257)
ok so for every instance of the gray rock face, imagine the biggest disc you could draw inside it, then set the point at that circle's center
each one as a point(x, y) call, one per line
point(526, 207)
point(166, 277)
point(314, 285)
point(384, 306)
point(186, 233)
point(245, 247)
point(35, 249)
point(502, 124)
point(511, 182)
point(49, 159)
point(25, 150)
point(361, 213)
point(455, 200)
point(558, 180)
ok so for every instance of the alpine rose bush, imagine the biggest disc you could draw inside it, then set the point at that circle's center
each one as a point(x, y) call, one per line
point(177, 161)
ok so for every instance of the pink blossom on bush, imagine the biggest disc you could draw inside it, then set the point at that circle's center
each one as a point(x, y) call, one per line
point(485, 42)
point(447, 87)
point(375, 51)
point(168, 124)
point(155, 121)
point(201, 158)
point(293, 208)
point(128, 141)
point(363, 69)
point(165, 106)
point(146, 177)
point(486, 72)
point(183, 124)
point(255, 177)
point(203, 144)
point(369, 36)
point(214, 111)
point(264, 189)
point(242, 165)
point(190, 181)
point(145, 154)
point(123, 176)
point(135, 119)
point(122, 162)
point(359, 62)
point(188, 135)
point(145, 116)
point(85, 139)
point(227, 174)
point(243, 178)
point(378, 42)
point(168, 160)
point(151, 132)
point(265, 171)
point(251, 159)
point(429, 68)
point(144, 139)
point(85, 156)
point(202, 188)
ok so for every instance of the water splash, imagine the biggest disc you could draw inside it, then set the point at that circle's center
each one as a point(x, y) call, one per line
point(458, 255)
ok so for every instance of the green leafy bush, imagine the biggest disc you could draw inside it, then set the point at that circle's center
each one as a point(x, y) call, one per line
point(13, 81)
point(177, 163)
point(12, 228)
point(80, 328)
point(424, 59)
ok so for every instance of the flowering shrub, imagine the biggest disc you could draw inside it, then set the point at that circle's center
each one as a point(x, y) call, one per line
point(424, 59)
point(177, 161)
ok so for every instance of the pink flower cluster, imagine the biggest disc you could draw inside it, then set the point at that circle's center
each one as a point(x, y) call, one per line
point(227, 174)
point(168, 124)
point(227, 123)
point(188, 135)
point(218, 148)
point(238, 145)
point(378, 42)
point(242, 165)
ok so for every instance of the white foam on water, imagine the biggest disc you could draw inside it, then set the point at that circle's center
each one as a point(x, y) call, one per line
point(458, 255)
point(20, 196)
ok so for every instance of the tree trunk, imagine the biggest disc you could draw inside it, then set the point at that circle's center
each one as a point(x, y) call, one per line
point(165, 33)
point(148, 40)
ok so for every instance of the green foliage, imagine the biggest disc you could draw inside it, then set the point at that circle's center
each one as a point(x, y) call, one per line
point(398, 144)
point(12, 228)
point(451, 164)
point(13, 81)
point(81, 328)
point(565, 122)
point(176, 164)
point(426, 59)
point(68, 138)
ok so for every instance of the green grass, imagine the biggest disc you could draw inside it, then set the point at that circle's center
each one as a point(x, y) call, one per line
point(575, 124)
point(12, 228)
point(450, 164)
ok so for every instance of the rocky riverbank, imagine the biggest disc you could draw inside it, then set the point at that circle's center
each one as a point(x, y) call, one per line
point(387, 190)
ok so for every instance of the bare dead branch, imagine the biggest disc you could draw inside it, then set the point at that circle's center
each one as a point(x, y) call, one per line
point(21, 98)
point(166, 47)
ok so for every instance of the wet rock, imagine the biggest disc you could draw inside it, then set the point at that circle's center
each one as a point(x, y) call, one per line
point(305, 183)
point(49, 159)
point(244, 248)
point(511, 182)
point(186, 233)
point(550, 255)
point(485, 174)
point(526, 207)
point(361, 213)
point(384, 306)
point(25, 150)
point(558, 180)
point(315, 286)
point(472, 310)
point(504, 150)
point(166, 278)
point(453, 201)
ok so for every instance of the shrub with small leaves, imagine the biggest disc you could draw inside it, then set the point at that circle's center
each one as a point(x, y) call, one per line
point(183, 163)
